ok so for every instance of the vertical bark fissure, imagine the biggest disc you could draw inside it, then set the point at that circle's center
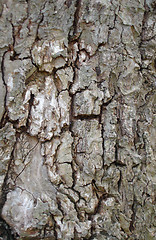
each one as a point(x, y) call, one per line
point(102, 134)
point(132, 223)
point(76, 16)
point(3, 120)
point(55, 226)
point(4, 192)
point(30, 107)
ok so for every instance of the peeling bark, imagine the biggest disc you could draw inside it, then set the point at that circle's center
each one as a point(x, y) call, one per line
point(77, 119)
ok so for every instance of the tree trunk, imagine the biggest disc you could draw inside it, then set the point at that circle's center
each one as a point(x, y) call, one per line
point(77, 130)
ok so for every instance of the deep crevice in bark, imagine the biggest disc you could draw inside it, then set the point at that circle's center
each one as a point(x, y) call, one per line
point(3, 120)
point(7, 231)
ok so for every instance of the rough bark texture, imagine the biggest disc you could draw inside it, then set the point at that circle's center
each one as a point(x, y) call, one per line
point(77, 130)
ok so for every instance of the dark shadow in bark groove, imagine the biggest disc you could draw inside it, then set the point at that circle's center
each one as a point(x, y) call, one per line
point(5, 231)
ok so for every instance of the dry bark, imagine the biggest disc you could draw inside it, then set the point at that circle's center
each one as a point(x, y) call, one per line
point(77, 129)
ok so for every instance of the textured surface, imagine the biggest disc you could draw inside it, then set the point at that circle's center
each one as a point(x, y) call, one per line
point(77, 119)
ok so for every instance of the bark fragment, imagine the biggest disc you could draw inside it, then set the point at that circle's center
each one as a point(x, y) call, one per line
point(77, 137)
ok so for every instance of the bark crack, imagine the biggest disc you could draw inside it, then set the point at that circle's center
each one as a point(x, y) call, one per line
point(27, 162)
point(4, 191)
point(76, 19)
point(3, 120)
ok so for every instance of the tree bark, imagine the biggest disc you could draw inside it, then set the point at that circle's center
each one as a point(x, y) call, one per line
point(77, 129)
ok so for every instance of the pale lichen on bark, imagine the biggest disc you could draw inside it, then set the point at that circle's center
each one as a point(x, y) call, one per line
point(77, 119)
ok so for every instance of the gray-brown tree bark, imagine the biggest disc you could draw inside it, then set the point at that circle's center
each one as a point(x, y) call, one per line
point(77, 119)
